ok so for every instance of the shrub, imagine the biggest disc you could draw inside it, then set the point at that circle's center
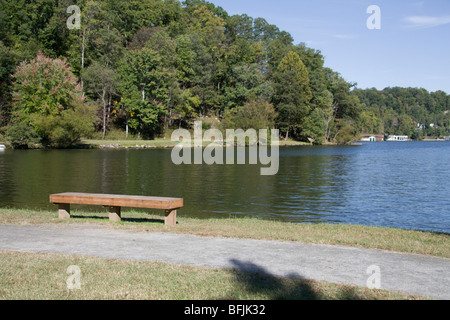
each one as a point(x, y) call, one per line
point(48, 105)
point(21, 136)
point(255, 114)
point(346, 134)
point(45, 86)
point(313, 128)
point(67, 129)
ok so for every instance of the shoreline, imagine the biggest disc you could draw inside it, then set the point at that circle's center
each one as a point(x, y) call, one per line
point(141, 144)
point(168, 144)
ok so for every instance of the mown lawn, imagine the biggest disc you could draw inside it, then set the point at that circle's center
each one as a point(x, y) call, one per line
point(37, 276)
point(406, 241)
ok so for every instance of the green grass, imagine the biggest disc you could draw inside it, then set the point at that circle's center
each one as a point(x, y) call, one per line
point(41, 276)
point(130, 143)
point(139, 143)
point(38, 276)
point(397, 240)
point(160, 143)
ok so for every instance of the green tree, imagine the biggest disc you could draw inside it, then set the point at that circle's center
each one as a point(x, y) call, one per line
point(240, 26)
point(101, 83)
point(8, 62)
point(292, 93)
point(143, 89)
point(346, 133)
point(186, 56)
point(107, 47)
point(67, 129)
point(370, 123)
point(184, 107)
point(44, 85)
point(47, 99)
point(346, 108)
point(205, 23)
point(390, 118)
point(255, 114)
point(313, 127)
point(405, 125)
point(21, 135)
point(245, 81)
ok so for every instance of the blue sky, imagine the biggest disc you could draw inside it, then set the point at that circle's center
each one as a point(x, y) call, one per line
point(412, 48)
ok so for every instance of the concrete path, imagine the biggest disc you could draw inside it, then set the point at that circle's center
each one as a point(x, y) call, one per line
point(414, 274)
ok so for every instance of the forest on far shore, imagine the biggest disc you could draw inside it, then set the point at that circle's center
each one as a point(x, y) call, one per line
point(144, 68)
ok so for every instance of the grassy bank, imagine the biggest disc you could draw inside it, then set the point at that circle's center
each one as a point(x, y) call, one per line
point(140, 144)
point(159, 143)
point(396, 240)
point(44, 276)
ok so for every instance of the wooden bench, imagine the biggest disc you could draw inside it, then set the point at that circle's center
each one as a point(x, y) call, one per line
point(115, 202)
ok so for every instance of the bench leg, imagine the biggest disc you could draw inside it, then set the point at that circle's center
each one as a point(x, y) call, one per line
point(115, 214)
point(64, 211)
point(171, 218)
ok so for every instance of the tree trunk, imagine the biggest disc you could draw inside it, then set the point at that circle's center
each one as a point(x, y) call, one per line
point(327, 131)
point(166, 127)
point(104, 113)
point(83, 46)
point(329, 120)
point(108, 110)
point(83, 49)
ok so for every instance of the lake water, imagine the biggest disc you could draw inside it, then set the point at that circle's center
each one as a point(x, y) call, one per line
point(392, 184)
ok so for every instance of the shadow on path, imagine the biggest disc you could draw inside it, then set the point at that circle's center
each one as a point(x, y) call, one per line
point(256, 280)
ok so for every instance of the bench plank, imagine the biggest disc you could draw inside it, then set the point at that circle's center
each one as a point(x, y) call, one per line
point(115, 202)
point(111, 200)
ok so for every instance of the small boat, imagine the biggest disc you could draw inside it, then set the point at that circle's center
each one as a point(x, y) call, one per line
point(397, 138)
point(2, 147)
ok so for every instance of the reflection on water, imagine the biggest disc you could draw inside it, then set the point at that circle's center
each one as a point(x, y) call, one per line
point(386, 184)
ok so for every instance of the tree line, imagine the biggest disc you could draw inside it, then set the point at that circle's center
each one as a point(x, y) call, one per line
point(413, 112)
point(149, 66)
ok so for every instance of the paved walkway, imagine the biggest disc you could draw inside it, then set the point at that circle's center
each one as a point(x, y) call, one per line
point(414, 274)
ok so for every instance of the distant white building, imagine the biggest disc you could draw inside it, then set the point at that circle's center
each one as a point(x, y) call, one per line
point(398, 138)
point(372, 138)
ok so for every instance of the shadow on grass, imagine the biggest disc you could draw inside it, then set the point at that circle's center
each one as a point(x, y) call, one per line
point(256, 280)
point(131, 220)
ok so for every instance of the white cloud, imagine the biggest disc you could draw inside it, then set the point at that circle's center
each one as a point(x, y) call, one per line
point(426, 21)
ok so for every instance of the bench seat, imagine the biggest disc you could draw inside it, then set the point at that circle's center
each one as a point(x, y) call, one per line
point(116, 202)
